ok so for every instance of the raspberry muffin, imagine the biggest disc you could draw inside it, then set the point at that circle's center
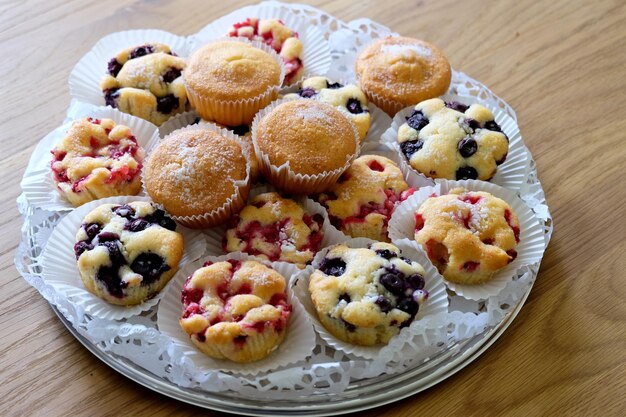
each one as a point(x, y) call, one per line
point(200, 175)
point(453, 141)
point(365, 296)
point(275, 34)
point(235, 310)
point(146, 81)
point(97, 159)
point(276, 229)
point(362, 201)
point(397, 72)
point(468, 235)
point(228, 81)
point(347, 98)
point(303, 145)
point(127, 253)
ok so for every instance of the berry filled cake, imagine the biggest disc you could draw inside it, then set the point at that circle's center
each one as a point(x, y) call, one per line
point(146, 81)
point(348, 98)
point(97, 159)
point(362, 201)
point(276, 229)
point(365, 296)
point(274, 33)
point(235, 310)
point(468, 235)
point(127, 253)
point(453, 141)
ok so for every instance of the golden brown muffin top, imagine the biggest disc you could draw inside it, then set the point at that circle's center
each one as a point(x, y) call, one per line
point(194, 171)
point(232, 70)
point(313, 137)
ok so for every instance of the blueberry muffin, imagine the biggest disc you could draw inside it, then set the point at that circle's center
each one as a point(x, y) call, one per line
point(348, 98)
point(362, 201)
point(468, 235)
point(235, 310)
point(397, 72)
point(127, 253)
point(146, 81)
point(365, 296)
point(97, 159)
point(282, 39)
point(453, 141)
point(276, 229)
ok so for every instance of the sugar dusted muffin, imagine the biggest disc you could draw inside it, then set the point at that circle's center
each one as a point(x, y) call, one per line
point(362, 201)
point(146, 81)
point(277, 35)
point(97, 159)
point(453, 141)
point(127, 253)
point(468, 235)
point(365, 296)
point(235, 310)
point(243, 131)
point(276, 229)
point(397, 72)
point(348, 98)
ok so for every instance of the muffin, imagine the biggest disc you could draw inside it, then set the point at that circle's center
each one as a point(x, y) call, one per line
point(235, 310)
point(364, 296)
point(362, 201)
point(453, 141)
point(97, 159)
point(347, 98)
point(303, 146)
point(397, 72)
point(199, 175)
point(276, 34)
point(228, 81)
point(127, 253)
point(146, 81)
point(276, 229)
point(468, 235)
point(243, 131)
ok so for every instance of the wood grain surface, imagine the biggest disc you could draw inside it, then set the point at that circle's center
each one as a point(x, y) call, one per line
point(560, 64)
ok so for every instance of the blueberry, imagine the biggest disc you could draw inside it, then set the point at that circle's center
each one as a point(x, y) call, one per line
point(466, 173)
point(473, 124)
point(334, 267)
point(110, 96)
point(492, 125)
point(92, 229)
point(407, 260)
point(125, 211)
point(467, 147)
point(107, 237)
point(349, 326)
point(166, 104)
point(384, 304)
point(80, 247)
point(161, 219)
point(114, 67)
point(171, 74)
point(455, 105)
point(345, 297)
point(150, 266)
point(416, 281)
point(417, 120)
point(409, 306)
point(410, 147)
point(136, 225)
point(111, 280)
point(307, 92)
point(333, 86)
point(393, 282)
point(117, 259)
point(386, 253)
point(141, 51)
point(354, 106)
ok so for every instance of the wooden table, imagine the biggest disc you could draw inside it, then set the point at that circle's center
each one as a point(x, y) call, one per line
point(560, 64)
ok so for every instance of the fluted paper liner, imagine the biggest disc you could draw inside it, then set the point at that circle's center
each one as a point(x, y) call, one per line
point(178, 122)
point(529, 250)
point(511, 174)
point(61, 271)
point(432, 312)
point(38, 184)
point(297, 346)
point(232, 205)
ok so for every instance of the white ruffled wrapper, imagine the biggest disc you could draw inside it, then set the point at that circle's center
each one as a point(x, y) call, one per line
point(297, 346)
point(178, 122)
point(282, 177)
point(529, 250)
point(61, 271)
point(85, 78)
point(511, 174)
point(432, 313)
point(316, 53)
point(38, 184)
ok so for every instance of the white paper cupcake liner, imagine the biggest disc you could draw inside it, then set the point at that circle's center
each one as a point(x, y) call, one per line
point(297, 346)
point(431, 314)
point(61, 271)
point(85, 78)
point(283, 177)
point(529, 250)
point(316, 53)
point(39, 186)
point(511, 174)
point(178, 122)
point(232, 205)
